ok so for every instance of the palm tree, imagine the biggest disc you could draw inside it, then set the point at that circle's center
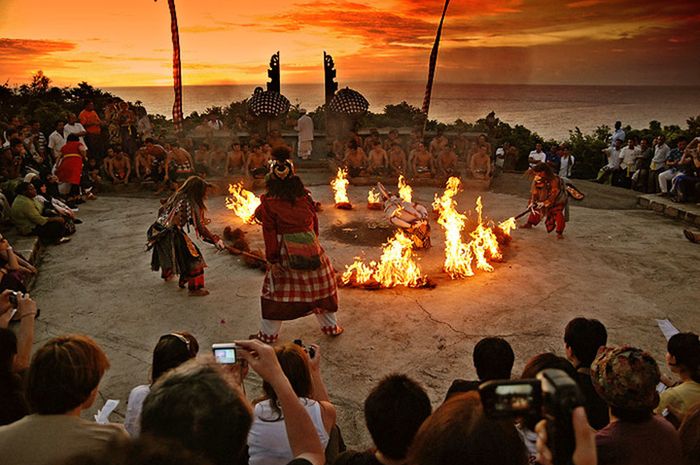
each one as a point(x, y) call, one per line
point(177, 68)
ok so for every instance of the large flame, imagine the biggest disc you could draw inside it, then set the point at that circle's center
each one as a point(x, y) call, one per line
point(373, 196)
point(405, 191)
point(340, 186)
point(242, 202)
point(461, 257)
point(396, 267)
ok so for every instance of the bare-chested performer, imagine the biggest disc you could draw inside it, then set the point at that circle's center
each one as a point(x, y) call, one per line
point(275, 139)
point(462, 145)
point(480, 163)
point(371, 139)
point(235, 160)
point(439, 143)
point(143, 163)
point(119, 167)
point(256, 164)
point(355, 159)
point(447, 162)
point(377, 159)
point(422, 163)
point(179, 163)
point(217, 160)
point(201, 159)
point(397, 160)
point(392, 139)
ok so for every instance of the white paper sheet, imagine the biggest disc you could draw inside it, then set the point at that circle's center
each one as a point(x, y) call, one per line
point(667, 328)
point(102, 416)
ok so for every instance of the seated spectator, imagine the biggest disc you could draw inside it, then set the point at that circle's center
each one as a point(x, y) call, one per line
point(493, 359)
point(15, 352)
point(14, 270)
point(266, 440)
point(686, 182)
point(52, 205)
point(671, 166)
point(610, 170)
point(640, 176)
point(459, 432)
point(172, 350)
point(26, 214)
point(690, 436)
point(144, 451)
point(582, 339)
point(683, 358)
point(394, 411)
point(626, 378)
point(628, 160)
point(62, 381)
point(526, 426)
point(197, 406)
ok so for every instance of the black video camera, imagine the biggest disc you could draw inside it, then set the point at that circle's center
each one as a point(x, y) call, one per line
point(553, 395)
point(309, 350)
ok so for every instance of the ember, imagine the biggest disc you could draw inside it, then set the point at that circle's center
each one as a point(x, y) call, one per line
point(242, 202)
point(340, 187)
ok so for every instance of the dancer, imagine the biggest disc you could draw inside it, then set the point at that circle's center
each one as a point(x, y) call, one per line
point(173, 251)
point(548, 198)
point(300, 279)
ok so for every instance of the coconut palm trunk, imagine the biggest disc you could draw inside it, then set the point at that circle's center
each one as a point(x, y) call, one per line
point(432, 66)
point(177, 68)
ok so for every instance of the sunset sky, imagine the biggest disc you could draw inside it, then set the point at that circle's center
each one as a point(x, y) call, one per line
point(127, 42)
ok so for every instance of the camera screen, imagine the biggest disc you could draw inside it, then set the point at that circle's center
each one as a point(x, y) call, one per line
point(513, 398)
point(225, 356)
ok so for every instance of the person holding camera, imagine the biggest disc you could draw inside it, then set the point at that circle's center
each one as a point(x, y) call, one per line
point(300, 279)
point(15, 353)
point(172, 350)
point(267, 443)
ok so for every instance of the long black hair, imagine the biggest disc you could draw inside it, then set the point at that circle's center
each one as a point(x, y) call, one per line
point(685, 347)
point(282, 182)
point(194, 189)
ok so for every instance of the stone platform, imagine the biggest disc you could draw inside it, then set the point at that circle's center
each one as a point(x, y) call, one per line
point(688, 212)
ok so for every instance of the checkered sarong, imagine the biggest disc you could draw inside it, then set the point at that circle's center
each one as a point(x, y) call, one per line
point(292, 293)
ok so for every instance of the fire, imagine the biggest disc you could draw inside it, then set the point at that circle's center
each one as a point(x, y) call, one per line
point(396, 267)
point(461, 257)
point(242, 202)
point(373, 196)
point(405, 191)
point(340, 186)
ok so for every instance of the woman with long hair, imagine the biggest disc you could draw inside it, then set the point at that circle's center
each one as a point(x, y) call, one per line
point(300, 279)
point(548, 199)
point(173, 250)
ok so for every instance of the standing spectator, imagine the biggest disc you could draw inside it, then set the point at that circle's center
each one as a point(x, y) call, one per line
point(69, 167)
point(144, 128)
point(267, 443)
point(15, 353)
point(62, 381)
point(127, 131)
point(671, 165)
point(394, 411)
point(537, 156)
point(57, 141)
point(628, 160)
point(582, 339)
point(38, 135)
point(553, 158)
point(618, 134)
point(305, 127)
point(493, 359)
point(566, 162)
point(641, 167)
point(93, 128)
point(172, 350)
point(27, 218)
point(626, 378)
point(658, 161)
point(610, 170)
point(683, 358)
point(73, 126)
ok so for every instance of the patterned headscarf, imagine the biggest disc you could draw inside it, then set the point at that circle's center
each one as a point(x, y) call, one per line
point(626, 377)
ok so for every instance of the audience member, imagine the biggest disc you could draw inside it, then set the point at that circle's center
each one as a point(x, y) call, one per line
point(143, 451)
point(73, 126)
point(618, 134)
point(640, 176)
point(626, 378)
point(172, 350)
point(394, 411)
point(537, 156)
point(566, 162)
point(93, 130)
point(27, 217)
point(62, 381)
point(583, 338)
point(628, 160)
point(671, 166)
point(690, 436)
point(683, 358)
point(493, 359)
point(57, 141)
point(657, 164)
point(609, 172)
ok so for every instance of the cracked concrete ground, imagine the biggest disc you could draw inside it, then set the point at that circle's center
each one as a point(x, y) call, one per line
point(624, 267)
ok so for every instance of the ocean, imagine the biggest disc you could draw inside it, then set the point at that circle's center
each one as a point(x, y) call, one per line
point(548, 110)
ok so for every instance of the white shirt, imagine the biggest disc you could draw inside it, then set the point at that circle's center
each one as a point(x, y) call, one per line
point(305, 126)
point(267, 440)
point(75, 128)
point(132, 420)
point(660, 154)
point(540, 157)
point(215, 124)
point(628, 157)
point(613, 158)
point(56, 143)
point(500, 157)
point(566, 165)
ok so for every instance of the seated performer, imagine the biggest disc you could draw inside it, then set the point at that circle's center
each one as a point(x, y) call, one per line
point(480, 164)
point(235, 160)
point(355, 159)
point(397, 160)
point(256, 164)
point(423, 162)
point(180, 164)
point(143, 162)
point(377, 159)
point(548, 198)
point(300, 279)
point(447, 162)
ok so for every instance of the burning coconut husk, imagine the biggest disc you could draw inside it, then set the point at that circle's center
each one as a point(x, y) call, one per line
point(374, 200)
point(236, 244)
point(242, 202)
point(484, 241)
point(397, 266)
point(340, 190)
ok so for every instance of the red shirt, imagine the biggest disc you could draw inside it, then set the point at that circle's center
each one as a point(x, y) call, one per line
point(90, 121)
point(279, 216)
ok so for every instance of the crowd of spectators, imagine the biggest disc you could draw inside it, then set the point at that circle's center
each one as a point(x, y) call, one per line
point(196, 411)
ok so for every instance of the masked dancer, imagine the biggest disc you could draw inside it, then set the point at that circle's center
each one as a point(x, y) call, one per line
point(548, 199)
